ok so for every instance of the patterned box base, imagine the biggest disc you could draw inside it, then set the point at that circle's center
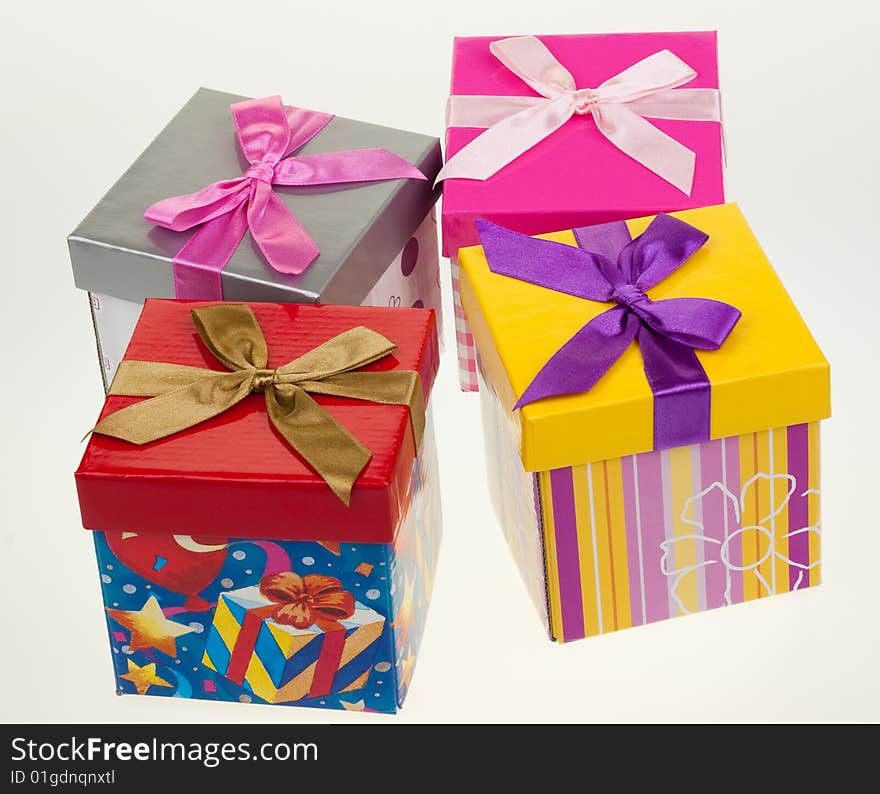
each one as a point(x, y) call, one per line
point(187, 619)
point(646, 537)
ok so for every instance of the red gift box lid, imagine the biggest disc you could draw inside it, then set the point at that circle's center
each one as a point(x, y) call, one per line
point(234, 475)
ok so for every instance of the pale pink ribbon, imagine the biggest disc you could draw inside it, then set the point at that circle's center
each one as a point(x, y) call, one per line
point(267, 132)
point(516, 123)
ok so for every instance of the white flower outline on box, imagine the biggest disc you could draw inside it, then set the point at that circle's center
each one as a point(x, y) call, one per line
point(765, 525)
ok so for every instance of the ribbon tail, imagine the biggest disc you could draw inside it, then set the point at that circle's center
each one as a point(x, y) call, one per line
point(354, 165)
point(502, 143)
point(171, 412)
point(402, 387)
point(197, 266)
point(702, 323)
point(647, 145)
point(285, 244)
point(585, 358)
point(326, 445)
point(152, 378)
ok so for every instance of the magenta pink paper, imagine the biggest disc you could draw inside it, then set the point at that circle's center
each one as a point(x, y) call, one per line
point(576, 177)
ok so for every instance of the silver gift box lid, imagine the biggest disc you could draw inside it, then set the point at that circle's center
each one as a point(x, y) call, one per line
point(359, 228)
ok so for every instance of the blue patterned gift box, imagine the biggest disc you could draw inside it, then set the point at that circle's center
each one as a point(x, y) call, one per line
point(174, 602)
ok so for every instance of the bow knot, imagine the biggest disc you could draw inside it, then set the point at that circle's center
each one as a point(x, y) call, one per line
point(585, 99)
point(514, 124)
point(261, 171)
point(183, 397)
point(630, 295)
point(262, 380)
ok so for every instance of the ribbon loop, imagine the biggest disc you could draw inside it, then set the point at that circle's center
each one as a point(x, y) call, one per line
point(306, 600)
point(262, 129)
point(515, 124)
point(660, 71)
point(530, 60)
point(267, 133)
point(233, 335)
point(183, 397)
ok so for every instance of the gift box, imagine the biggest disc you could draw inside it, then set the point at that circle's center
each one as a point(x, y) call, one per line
point(324, 210)
point(556, 132)
point(652, 404)
point(282, 663)
point(241, 557)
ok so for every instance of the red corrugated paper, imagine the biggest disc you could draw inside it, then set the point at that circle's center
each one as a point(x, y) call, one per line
point(234, 475)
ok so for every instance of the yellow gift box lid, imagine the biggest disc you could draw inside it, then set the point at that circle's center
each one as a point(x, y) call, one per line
point(768, 373)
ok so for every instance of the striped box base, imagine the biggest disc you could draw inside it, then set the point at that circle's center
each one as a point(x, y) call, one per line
point(623, 542)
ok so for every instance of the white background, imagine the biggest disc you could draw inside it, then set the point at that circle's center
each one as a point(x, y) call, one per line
point(86, 85)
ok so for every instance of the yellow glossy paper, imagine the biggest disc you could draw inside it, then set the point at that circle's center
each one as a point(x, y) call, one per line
point(769, 373)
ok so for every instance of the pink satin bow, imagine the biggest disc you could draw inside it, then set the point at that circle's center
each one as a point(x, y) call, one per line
point(267, 132)
point(514, 124)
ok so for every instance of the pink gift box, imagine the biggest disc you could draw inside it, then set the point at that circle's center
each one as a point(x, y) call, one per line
point(575, 176)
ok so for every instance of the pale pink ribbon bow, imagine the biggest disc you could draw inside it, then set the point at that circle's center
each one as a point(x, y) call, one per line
point(267, 133)
point(514, 124)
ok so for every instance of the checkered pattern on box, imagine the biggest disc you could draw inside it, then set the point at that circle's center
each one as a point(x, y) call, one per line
point(464, 341)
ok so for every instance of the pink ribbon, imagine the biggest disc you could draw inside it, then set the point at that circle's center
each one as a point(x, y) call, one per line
point(516, 123)
point(267, 132)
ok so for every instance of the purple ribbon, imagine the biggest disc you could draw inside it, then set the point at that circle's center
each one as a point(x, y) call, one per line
point(609, 266)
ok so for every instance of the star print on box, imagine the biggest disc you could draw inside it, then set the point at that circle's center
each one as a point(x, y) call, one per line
point(322, 624)
point(143, 677)
point(150, 628)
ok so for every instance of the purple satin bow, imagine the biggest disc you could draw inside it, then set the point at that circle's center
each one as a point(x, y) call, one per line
point(268, 132)
point(610, 267)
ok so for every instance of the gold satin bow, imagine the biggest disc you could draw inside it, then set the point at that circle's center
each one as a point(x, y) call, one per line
point(185, 396)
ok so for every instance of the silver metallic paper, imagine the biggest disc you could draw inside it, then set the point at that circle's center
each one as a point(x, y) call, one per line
point(359, 228)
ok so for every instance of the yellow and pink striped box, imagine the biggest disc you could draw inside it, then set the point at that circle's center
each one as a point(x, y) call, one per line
point(606, 542)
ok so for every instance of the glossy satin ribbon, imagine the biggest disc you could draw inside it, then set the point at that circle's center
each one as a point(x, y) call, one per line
point(185, 396)
point(514, 124)
point(267, 133)
point(610, 267)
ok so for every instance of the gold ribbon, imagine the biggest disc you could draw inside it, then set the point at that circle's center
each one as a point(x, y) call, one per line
point(185, 396)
